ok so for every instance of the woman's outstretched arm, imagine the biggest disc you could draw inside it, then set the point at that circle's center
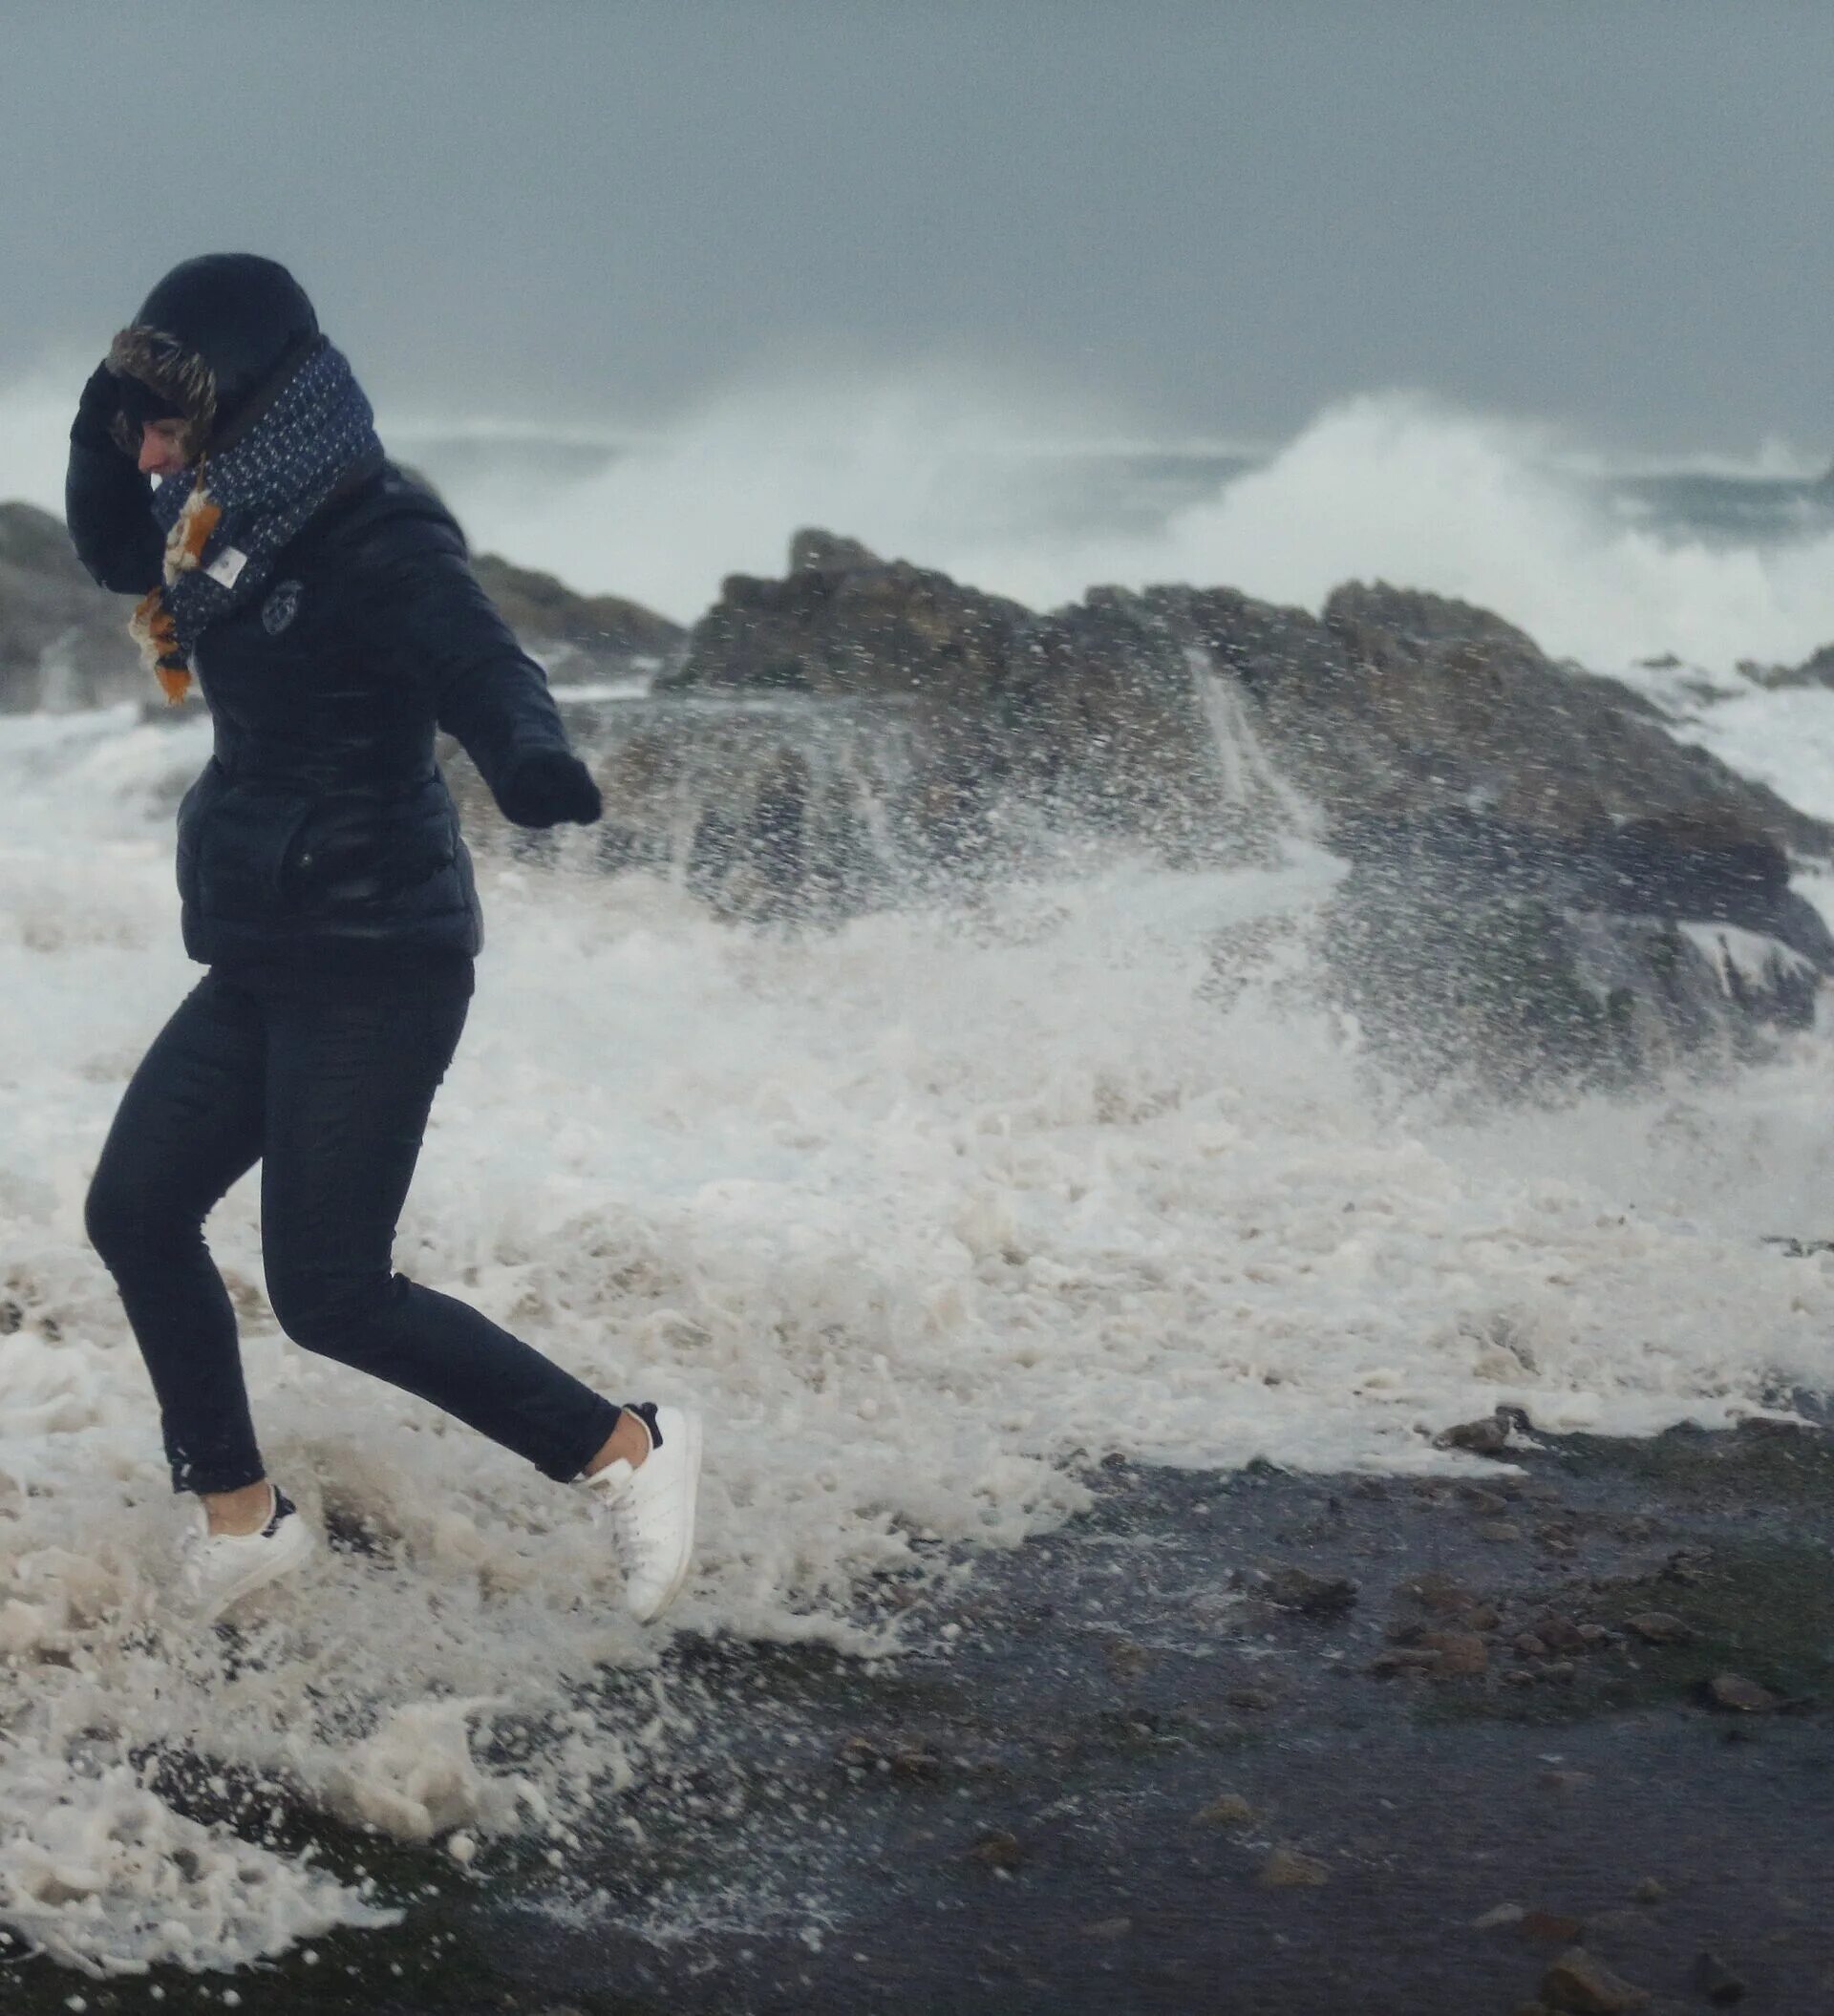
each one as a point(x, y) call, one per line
point(485, 688)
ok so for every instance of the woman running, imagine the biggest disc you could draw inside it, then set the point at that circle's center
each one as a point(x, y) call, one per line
point(324, 602)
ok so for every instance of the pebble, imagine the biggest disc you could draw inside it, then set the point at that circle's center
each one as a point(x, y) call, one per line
point(1530, 1646)
point(1286, 1869)
point(1561, 1634)
point(1586, 1986)
point(1733, 1690)
point(1405, 1659)
point(1499, 1915)
point(1485, 1503)
point(1227, 1809)
point(1442, 1595)
point(1501, 1531)
point(1249, 1698)
point(1650, 1891)
point(1550, 1927)
point(1460, 1651)
point(1488, 1437)
point(1108, 1928)
point(1717, 1981)
point(1312, 1595)
point(1657, 1627)
point(997, 1850)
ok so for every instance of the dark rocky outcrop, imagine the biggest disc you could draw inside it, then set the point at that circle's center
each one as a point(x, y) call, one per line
point(1544, 884)
point(1816, 669)
point(63, 641)
point(578, 636)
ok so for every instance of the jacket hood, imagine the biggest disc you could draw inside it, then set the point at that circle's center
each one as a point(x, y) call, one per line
point(211, 337)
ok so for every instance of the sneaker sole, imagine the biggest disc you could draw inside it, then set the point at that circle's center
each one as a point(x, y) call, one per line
point(690, 1434)
point(286, 1556)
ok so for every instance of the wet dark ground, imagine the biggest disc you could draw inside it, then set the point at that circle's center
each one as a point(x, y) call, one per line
point(1145, 1767)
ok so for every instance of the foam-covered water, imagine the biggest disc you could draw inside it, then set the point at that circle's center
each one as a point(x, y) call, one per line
point(919, 1212)
point(1610, 563)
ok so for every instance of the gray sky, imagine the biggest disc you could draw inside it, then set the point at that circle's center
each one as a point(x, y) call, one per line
point(1218, 216)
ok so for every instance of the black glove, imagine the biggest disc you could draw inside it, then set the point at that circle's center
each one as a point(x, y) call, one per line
point(94, 426)
point(549, 785)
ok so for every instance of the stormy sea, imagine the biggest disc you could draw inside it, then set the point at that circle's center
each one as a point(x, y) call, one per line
point(971, 1213)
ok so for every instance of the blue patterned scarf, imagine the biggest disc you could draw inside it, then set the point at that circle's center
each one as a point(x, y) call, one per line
point(228, 516)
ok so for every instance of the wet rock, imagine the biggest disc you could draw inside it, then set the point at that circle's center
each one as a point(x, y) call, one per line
point(1499, 1915)
point(997, 1849)
point(1486, 1504)
point(858, 1754)
point(1295, 1588)
point(1559, 1671)
point(1557, 1540)
point(1486, 1616)
point(1717, 1981)
point(578, 633)
point(1685, 1567)
point(1550, 1928)
point(1584, 1986)
point(1227, 1809)
point(1488, 1437)
point(1565, 1781)
point(1499, 1531)
point(1650, 1891)
point(1108, 1928)
point(1442, 1595)
point(1518, 1677)
point(1561, 1634)
point(1459, 1651)
point(1405, 1659)
point(1658, 1628)
point(1251, 1699)
point(1529, 1644)
point(1126, 1658)
point(1596, 1637)
point(1745, 1697)
point(918, 1761)
point(1286, 1869)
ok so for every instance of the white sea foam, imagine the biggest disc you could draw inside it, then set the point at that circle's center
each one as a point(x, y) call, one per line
point(1395, 486)
point(1013, 490)
point(916, 1212)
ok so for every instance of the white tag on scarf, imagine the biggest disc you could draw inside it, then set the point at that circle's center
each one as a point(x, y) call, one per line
point(227, 565)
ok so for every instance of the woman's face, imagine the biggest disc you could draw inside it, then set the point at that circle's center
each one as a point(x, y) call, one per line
point(162, 449)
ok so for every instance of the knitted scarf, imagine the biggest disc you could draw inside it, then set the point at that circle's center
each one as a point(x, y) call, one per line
point(230, 513)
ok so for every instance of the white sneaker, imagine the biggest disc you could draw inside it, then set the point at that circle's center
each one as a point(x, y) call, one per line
point(651, 1508)
point(220, 1568)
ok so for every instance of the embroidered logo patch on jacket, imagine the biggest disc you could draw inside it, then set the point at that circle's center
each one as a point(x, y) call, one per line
point(281, 607)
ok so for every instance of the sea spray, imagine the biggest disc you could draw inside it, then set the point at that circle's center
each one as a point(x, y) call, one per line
point(924, 1212)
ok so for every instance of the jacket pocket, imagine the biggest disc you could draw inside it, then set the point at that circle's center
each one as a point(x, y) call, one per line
point(356, 854)
point(246, 839)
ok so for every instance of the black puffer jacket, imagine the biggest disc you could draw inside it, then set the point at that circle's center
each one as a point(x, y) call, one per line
point(322, 831)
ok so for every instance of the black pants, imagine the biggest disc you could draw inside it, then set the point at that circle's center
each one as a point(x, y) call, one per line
point(333, 1100)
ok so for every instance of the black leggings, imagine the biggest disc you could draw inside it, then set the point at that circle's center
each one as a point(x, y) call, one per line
point(331, 1099)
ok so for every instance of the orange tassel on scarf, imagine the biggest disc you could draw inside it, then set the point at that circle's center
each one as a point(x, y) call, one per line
point(152, 622)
